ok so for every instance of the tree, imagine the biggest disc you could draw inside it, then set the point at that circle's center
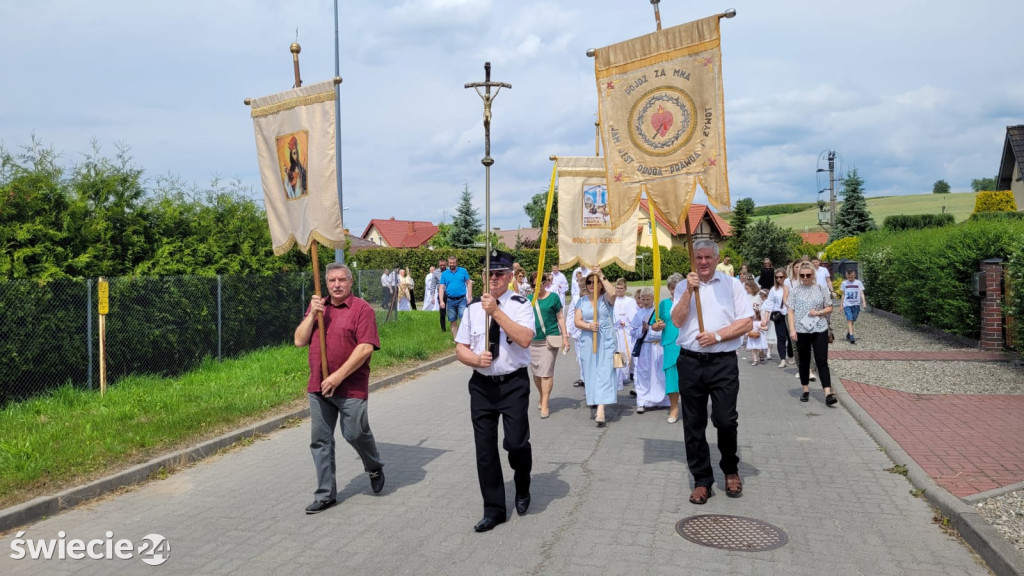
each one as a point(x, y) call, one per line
point(983, 184)
point(853, 217)
point(740, 220)
point(466, 223)
point(535, 209)
point(765, 239)
point(940, 187)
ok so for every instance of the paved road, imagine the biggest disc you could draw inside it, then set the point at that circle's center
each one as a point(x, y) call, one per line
point(604, 500)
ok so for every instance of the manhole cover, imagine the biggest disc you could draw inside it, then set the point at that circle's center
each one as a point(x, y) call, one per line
point(731, 533)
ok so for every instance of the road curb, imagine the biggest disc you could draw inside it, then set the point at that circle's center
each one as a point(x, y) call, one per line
point(1000, 556)
point(44, 506)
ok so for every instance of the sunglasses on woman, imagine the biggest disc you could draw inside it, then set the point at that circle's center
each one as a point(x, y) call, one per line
point(807, 275)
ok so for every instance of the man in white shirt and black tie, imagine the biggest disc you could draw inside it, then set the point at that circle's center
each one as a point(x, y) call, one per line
point(499, 387)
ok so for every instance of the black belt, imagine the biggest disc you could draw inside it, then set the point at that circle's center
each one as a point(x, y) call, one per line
point(454, 297)
point(705, 356)
point(504, 377)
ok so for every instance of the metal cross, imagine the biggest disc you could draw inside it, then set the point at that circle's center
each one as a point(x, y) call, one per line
point(487, 162)
point(487, 98)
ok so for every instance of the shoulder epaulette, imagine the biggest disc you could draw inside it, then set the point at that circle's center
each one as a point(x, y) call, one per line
point(518, 298)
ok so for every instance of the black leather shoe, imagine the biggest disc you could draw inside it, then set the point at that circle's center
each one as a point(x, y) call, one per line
point(377, 481)
point(319, 506)
point(522, 504)
point(487, 523)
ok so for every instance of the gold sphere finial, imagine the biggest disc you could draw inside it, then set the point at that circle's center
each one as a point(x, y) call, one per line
point(295, 48)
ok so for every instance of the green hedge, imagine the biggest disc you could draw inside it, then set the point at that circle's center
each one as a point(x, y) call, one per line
point(925, 275)
point(917, 221)
point(1015, 300)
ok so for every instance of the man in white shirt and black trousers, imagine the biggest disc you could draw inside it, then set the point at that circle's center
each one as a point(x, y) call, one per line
point(499, 387)
point(708, 367)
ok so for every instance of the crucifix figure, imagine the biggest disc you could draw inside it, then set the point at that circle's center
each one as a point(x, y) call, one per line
point(487, 161)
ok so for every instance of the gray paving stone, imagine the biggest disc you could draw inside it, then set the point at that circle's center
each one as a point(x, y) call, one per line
point(604, 500)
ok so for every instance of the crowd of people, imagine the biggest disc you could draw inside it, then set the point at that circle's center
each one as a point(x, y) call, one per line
point(673, 355)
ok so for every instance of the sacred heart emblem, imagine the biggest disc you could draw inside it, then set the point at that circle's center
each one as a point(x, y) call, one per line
point(661, 121)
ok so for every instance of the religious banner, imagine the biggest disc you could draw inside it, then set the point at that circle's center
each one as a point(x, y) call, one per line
point(295, 147)
point(662, 122)
point(586, 233)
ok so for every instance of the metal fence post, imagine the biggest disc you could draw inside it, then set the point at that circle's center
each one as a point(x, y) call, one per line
point(219, 324)
point(88, 326)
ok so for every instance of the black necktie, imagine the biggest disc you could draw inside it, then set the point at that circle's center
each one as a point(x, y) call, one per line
point(493, 333)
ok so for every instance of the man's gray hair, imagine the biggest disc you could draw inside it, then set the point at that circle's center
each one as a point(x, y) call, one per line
point(705, 244)
point(674, 279)
point(339, 266)
point(647, 291)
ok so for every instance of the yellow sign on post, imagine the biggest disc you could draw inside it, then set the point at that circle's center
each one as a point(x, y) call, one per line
point(104, 296)
point(103, 290)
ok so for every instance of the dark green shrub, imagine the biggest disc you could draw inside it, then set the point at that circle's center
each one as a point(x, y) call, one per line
point(917, 221)
point(925, 275)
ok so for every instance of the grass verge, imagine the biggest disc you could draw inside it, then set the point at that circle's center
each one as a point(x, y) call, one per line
point(73, 435)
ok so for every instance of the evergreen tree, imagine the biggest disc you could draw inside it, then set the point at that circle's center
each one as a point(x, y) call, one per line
point(853, 217)
point(466, 223)
point(740, 220)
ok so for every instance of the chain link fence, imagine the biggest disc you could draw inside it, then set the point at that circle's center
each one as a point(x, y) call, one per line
point(49, 332)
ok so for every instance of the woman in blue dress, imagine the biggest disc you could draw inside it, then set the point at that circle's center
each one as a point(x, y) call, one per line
point(598, 367)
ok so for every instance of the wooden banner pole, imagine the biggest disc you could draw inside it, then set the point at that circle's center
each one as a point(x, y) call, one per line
point(693, 268)
point(295, 50)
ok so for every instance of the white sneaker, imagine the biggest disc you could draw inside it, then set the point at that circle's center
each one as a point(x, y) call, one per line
point(813, 377)
point(798, 375)
point(782, 364)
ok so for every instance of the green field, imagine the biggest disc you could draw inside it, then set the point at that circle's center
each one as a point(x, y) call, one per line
point(960, 205)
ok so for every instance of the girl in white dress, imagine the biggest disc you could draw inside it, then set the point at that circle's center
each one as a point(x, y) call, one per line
point(757, 344)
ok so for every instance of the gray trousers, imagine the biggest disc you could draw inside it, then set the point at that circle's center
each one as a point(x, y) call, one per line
point(355, 428)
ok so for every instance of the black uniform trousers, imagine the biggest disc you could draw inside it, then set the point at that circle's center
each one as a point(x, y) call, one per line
point(509, 398)
point(715, 376)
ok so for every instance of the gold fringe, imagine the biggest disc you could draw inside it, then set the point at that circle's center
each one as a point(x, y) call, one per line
point(291, 103)
point(315, 236)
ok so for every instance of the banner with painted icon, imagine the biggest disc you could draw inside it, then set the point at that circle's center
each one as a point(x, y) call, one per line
point(662, 119)
point(295, 145)
point(586, 233)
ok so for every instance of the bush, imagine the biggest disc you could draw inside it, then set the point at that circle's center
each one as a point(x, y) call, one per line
point(844, 248)
point(808, 248)
point(925, 275)
point(1015, 300)
point(990, 216)
point(917, 221)
point(1001, 201)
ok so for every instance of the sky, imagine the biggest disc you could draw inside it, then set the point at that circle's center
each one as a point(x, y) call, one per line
point(907, 91)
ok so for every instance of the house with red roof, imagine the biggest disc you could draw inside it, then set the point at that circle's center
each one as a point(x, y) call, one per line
point(399, 233)
point(704, 224)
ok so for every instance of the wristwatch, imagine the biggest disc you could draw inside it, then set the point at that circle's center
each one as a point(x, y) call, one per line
point(718, 338)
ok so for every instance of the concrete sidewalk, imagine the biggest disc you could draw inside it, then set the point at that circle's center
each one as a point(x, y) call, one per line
point(604, 500)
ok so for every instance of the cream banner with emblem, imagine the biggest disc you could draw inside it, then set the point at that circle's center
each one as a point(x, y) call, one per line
point(662, 123)
point(295, 146)
point(586, 233)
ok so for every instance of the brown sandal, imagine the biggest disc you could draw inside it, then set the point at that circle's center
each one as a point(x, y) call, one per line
point(700, 495)
point(733, 485)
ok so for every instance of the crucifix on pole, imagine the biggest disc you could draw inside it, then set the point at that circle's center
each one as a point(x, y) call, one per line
point(487, 161)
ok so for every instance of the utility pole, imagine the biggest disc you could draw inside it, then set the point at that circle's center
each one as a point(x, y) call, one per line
point(832, 189)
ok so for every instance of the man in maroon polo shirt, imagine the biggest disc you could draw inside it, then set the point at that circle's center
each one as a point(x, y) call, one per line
point(351, 330)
